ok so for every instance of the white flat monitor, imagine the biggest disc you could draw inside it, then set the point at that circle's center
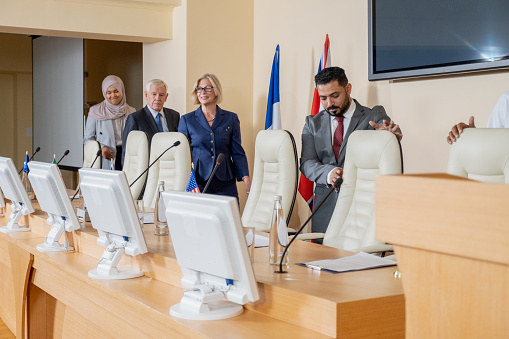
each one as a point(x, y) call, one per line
point(53, 199)
point(208, 238)
point(13, 190)
point(113, 214)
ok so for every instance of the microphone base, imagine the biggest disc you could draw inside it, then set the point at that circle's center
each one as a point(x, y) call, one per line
point(280, 272)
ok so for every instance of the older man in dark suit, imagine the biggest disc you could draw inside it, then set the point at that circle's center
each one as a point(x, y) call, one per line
point(325, 136)
point(152, 118)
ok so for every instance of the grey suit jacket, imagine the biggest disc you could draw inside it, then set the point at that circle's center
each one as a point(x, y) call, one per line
point(318, 159)
point(102, 132)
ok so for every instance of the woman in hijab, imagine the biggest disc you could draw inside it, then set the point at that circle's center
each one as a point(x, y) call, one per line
point(106, 121)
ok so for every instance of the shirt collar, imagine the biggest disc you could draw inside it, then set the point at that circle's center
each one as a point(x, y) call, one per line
point(349, 113)
point(153, 112)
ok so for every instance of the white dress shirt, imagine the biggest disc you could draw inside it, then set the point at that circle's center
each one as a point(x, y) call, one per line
point(334, 124)
point(163, 118)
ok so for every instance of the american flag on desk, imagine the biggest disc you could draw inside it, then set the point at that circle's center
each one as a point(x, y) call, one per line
point(192, 185)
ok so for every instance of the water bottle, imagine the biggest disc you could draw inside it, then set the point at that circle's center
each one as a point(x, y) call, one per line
point(160, 224)
point(278, 238)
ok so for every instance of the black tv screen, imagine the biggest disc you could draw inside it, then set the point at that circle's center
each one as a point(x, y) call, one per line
point(409, 38)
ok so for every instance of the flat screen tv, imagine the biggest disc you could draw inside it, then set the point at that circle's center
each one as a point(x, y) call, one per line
point(410, 38)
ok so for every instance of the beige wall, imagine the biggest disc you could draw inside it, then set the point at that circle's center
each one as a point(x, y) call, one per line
point(16, 97)
point(425, 108)
point(220, 41)
point(167, 61)
point(209, 37)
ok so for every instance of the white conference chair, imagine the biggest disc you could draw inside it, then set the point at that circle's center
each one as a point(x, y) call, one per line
point(174, 167)
point(481, 154)
point(274, 173)
point(352, 225)
point(89, 154)
point(136, 160)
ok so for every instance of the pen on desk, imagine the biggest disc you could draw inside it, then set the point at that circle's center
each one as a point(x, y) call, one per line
point(314, 267)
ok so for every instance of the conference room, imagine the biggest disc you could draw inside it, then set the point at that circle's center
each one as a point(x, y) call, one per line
point(51, 294)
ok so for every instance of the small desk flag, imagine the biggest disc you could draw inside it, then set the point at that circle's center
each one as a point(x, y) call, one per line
point(192, 185)
point(25, 165)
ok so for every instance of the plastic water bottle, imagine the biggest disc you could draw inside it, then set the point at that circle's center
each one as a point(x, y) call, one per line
point(278, 238)
point(160, 224)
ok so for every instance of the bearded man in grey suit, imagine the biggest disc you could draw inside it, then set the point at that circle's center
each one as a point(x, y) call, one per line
point(325, 136)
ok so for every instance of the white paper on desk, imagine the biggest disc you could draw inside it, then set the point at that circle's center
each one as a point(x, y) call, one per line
point(356, 262)
point(261, 241)
point(148, 218)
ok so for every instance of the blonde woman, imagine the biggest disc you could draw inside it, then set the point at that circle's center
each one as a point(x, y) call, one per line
point(212, 131)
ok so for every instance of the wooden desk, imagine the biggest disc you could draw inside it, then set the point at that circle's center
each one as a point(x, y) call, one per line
point(61, 300)
point(452, 242)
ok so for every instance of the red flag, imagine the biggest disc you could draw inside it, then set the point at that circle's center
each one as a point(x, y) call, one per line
point(306, 187)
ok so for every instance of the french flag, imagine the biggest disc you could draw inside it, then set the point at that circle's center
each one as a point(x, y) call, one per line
point(306, 187)
point(273, 115)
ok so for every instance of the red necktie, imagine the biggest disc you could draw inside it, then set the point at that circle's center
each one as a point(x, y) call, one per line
point(338, 137)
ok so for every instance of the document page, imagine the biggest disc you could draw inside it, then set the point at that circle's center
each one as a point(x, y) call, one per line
point(261, 241)
point(356, 262)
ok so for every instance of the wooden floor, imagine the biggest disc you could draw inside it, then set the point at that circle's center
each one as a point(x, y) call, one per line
point(4, 331)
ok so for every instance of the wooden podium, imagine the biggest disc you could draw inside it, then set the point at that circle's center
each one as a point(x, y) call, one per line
point(451, 238)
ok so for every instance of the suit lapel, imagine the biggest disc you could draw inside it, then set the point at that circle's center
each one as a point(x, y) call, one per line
point(325, 129)
point(150, 120)
point(354, 121)
point(218, 119)
point(200, 117)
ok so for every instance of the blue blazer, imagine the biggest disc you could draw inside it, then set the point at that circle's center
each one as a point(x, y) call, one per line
point(143, 120)
point(207, 142)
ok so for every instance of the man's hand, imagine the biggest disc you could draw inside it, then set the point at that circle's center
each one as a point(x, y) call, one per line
point(107, 153)
point(457, 129)
point(387, 126)
point(335, 174)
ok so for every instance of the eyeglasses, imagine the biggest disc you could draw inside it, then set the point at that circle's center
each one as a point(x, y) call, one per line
point(206, 89)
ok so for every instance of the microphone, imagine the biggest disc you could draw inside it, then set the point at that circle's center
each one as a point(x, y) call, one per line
point(36, 150)
point(336, 185)
point(153, 162)
point(63, 156)
point(78, 188)
point(219, 160)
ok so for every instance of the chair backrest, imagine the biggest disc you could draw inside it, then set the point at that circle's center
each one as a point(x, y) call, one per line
point(89, 153)
point(368, 154)
point(136, 160)
point(174, 167)
point(274, 173)
point(481, 154)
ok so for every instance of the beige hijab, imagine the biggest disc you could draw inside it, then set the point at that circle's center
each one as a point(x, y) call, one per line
point(107, 111)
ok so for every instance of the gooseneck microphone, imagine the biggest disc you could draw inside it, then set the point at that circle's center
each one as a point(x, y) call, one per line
point(35, 152)
point(336, 185)
point(220, 159)
point(93, 162)
point(63, 156)
point(153, 162)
